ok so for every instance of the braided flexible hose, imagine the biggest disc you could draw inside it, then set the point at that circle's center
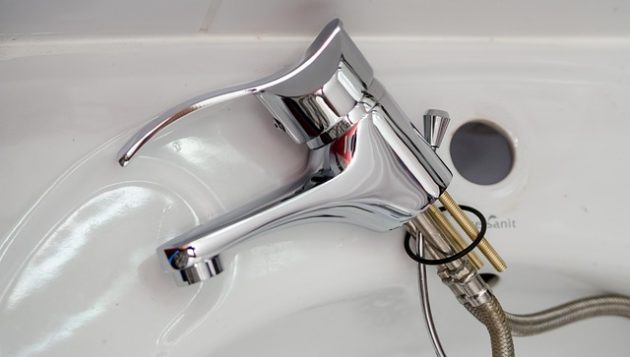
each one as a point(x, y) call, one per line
point(539, 322)
point(492, 316)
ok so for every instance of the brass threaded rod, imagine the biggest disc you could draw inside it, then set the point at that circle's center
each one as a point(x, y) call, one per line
point(471, 230)
point(451, 234)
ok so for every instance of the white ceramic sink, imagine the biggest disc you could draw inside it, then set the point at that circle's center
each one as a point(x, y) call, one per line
point(78, 269)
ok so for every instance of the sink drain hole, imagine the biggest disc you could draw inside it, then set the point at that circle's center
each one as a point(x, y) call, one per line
point(482, 153)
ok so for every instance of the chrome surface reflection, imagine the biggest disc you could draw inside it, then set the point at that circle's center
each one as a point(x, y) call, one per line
point(368, 165)
point(314, 102)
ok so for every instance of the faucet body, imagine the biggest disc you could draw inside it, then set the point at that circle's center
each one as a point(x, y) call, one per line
point(368, 164)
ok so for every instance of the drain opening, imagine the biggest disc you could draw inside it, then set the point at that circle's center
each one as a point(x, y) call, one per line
point(482, 153)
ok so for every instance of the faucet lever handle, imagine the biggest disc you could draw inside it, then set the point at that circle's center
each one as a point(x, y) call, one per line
point(316, 101)
point(177, 112)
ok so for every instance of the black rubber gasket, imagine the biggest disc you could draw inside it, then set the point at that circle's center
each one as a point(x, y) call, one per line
point(459, 255)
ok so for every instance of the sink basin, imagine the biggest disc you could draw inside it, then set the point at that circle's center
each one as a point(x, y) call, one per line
point(78, 269)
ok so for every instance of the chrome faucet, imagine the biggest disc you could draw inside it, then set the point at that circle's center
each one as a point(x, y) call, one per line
point(368, 164)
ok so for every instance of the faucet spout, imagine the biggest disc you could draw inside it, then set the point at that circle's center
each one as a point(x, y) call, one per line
point(378, 175)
